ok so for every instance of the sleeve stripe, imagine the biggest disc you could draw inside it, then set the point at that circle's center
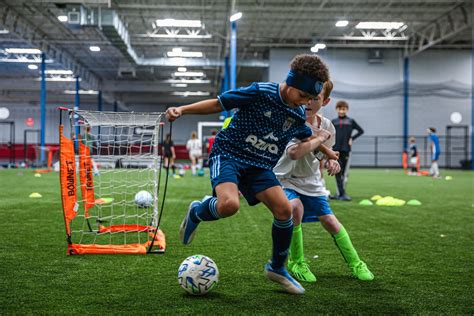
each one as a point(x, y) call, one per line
point(220, 102)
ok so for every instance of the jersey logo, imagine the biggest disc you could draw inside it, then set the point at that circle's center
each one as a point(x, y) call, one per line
point(261, 144)
point(289, 121)
point(268, 114)
point(271, 137)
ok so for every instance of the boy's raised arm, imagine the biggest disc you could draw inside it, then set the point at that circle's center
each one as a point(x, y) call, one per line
point(297, 151)
point(202, 107)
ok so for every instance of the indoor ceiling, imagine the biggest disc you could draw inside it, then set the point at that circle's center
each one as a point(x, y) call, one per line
point(133, 65)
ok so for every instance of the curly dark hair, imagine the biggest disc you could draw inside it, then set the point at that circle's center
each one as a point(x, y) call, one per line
point(327, 89)
point(310, 65)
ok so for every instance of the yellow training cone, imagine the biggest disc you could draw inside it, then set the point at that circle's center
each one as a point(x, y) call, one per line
point(376, 197)
point(37, 175)
point(35, 195)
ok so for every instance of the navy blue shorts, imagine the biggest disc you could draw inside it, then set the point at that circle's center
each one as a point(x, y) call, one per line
point(314, 206)
point(249, 179)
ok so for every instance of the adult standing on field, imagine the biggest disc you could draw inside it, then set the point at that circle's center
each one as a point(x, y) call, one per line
point(344, 129)
point(194, 147)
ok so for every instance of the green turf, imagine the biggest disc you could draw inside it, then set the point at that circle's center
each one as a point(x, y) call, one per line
point(416, 270)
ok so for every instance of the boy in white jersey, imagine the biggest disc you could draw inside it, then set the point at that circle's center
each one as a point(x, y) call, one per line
point(194, 147)
point(299, 173)
point(243, 155)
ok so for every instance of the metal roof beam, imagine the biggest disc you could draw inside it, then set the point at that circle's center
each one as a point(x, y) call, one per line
point(21, 27)
point(444, 27)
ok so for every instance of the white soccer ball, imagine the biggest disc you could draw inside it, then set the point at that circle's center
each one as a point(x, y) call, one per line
point(198, 275)
point(143, 199)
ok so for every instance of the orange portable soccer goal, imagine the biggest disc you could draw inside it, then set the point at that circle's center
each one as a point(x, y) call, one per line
point(109, 159)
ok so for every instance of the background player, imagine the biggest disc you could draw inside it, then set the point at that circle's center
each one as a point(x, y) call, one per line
point(169, 153)
point(245, 152)
point(435, 151)
point(299, 173)
point(413, 156)
point(344, 127)
point(194, 147)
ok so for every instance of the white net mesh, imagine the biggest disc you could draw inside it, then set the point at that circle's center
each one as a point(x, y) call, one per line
point(124, 160)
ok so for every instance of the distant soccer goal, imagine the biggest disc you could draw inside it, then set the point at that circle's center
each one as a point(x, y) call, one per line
point(109, 158)
point(205, 132)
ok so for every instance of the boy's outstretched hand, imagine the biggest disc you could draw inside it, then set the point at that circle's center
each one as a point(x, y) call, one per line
point(332, 166)
point(173, 113)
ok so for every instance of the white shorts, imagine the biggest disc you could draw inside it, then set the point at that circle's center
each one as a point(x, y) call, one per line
point(413, 161)
point(195, 155)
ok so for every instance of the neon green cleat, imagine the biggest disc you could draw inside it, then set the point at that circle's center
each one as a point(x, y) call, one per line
point(361, 272)
point(301, 271)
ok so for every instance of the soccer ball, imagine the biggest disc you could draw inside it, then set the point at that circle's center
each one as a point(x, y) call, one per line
point(198, 275)
point(143, 199)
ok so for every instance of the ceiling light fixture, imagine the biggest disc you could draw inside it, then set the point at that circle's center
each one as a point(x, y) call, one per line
point(342, 23)
point(317, 47)
point(177, 23)
point(94, 48)
point(187, 80)
point(81, 92)
point(191, 93)
point(235, 16)
point(64, 79)
point(182, 69)
point(179, 85)
point(32, 51)
point(189, 74)
point(62, 18)
point(380, 25)
point(32, 67)
point(178, 52)
point(58, 72)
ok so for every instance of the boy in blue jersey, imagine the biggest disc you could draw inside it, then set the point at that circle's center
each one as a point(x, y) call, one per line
point(269, 115)
point(435, 151)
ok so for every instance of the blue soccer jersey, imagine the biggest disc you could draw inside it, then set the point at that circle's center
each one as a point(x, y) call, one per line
point(262, 126)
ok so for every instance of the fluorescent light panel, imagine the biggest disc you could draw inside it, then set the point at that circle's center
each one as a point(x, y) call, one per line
point(58, 72)
point(189, 74)
point(62, 18)
point(178, 52)
point(81, 92)
point(32, 51)
point(188, 81)
point(235, 17)
point(191, 93)
point(59, 79)
point(182, 69)
point(94, 48)
point(179, 85)
point(317, 47)
point(342, 23)
point(32, 67)
point(380, 25)
point(177, 23)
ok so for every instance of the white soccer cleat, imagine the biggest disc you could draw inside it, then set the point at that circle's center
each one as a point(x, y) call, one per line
point(282, 277)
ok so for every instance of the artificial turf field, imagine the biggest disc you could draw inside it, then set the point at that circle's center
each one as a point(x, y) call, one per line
point(422, 256)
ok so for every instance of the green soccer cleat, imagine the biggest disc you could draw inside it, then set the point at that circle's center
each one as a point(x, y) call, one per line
point(361, 272)
point(301, 271)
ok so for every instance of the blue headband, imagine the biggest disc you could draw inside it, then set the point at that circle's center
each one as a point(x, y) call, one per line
point(304, 83)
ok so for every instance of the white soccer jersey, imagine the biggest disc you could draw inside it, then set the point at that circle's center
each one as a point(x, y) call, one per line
point(303, 175)
point(194, 146)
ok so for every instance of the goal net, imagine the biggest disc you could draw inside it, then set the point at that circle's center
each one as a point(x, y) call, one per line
point(109, 158)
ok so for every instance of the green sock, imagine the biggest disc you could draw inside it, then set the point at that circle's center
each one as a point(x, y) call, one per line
point(296, 246)
point(348, 252)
